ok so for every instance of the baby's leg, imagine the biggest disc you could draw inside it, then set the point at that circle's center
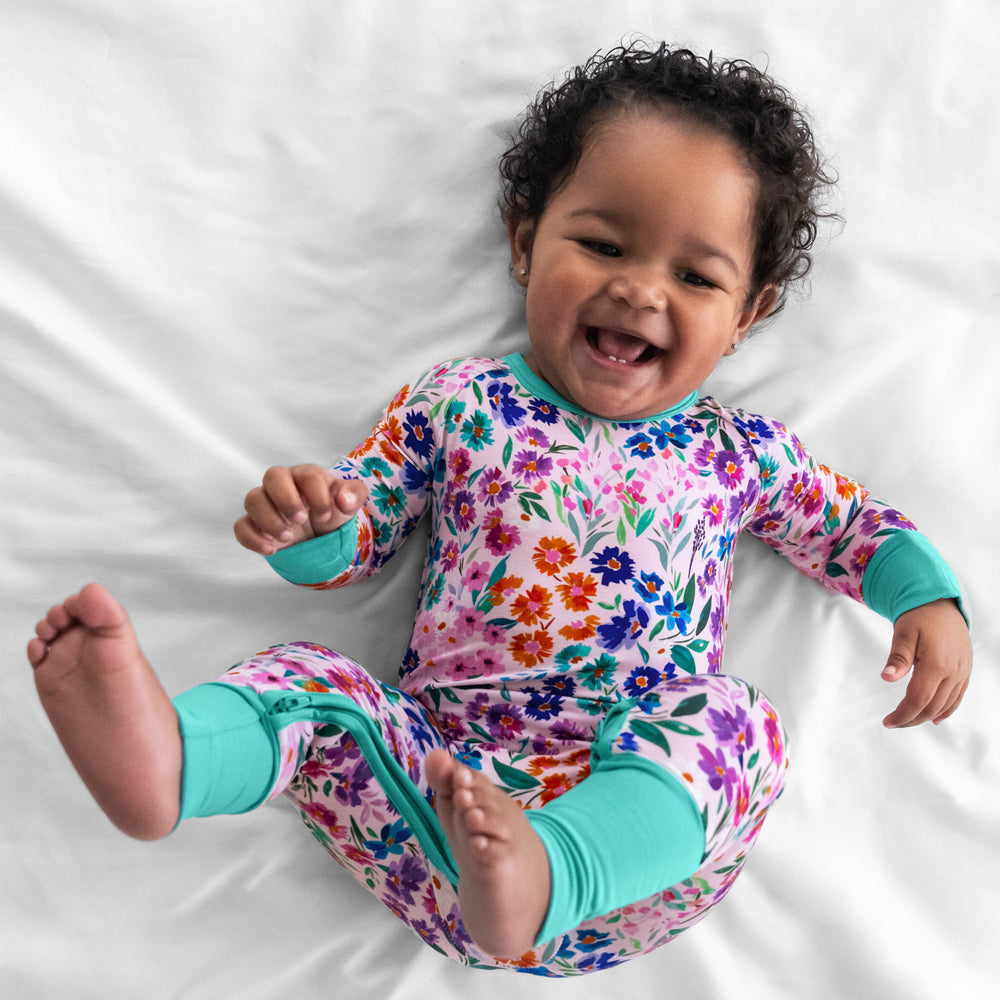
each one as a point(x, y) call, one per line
point(110, 711)
point(504, 884)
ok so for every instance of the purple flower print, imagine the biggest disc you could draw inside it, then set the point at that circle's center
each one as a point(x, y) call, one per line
point(728, 468)
point(464, 509)
point(732, 729)
point(504, 721)
point(494, 488)
point(352, 783)
point(404, 877)
point(712, 506)
point(531, 466)
point(720, 774)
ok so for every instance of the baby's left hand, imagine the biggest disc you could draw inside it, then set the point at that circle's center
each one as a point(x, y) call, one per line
point(934, 640)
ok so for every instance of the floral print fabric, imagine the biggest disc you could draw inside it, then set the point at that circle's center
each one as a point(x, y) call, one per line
point(573, 602)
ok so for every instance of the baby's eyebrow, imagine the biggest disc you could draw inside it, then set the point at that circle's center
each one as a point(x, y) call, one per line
point(703, 249)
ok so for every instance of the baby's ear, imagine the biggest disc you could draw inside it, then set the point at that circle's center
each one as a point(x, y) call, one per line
point(760, 308)
point(521, 233)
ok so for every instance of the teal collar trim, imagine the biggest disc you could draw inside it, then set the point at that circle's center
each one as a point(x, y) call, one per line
point(537, 385)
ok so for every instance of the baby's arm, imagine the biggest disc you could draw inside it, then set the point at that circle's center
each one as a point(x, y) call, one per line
point(934, 639)
point(296, 504)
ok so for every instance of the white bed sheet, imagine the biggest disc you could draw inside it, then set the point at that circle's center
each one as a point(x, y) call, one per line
point(228, 233)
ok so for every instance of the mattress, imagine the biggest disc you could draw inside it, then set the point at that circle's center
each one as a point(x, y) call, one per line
point(230, 232)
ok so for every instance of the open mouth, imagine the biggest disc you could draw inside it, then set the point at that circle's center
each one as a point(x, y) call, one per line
point(622, 347)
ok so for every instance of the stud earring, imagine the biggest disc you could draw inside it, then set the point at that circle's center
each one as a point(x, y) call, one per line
point(736, 346)
point(523, 271)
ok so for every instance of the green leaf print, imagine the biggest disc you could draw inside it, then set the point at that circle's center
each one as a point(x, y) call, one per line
point(706, 613)
point(681, 655)
point(691, 706)
point(513, 778)
point(650, 732)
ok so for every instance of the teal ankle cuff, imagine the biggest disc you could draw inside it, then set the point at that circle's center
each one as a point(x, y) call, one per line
point(624, 833)
point(231, 755)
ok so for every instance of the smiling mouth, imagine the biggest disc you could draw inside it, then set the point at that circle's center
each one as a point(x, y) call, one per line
point(624, 348)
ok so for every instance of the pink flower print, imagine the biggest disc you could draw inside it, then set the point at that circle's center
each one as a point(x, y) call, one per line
point(478, 575)
point(862, 557)
point(774, 737)
point(503, 538)
point(459, 463)
point(449, 557)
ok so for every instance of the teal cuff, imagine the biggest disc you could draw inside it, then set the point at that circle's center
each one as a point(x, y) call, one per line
point(231, 755)
point(905, 572)
point(319, 559)
point(627, 831)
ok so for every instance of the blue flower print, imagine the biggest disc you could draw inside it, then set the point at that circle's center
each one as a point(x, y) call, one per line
point(541, 705)
point(641, 681)
point(624, 630)
point(676, 612)
point(640, 445)
point(417, 434)
point(504, 403)
point(648, 586)
point(415, 480)
point(667, 434)
point(543, 412)
point(390, 840)
point(756, 429)
point(468, 755)
point(614, 564)
point(588, 939)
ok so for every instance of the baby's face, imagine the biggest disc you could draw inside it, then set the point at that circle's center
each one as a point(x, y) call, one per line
point(639, 267)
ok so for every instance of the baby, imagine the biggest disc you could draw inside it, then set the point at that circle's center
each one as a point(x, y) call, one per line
point(563, 778)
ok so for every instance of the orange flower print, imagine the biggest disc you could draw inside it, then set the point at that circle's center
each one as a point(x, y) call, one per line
point(580, 628)
point(553, 785)
point(530, 648)
point(552, 555)
point(577, 591)
point(504, 589)
point(532, 606)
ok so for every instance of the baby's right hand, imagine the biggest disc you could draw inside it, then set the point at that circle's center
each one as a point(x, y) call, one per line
point(296, 504)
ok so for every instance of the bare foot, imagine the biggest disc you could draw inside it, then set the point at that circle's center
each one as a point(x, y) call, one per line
point(504, 879)
point(111, 714)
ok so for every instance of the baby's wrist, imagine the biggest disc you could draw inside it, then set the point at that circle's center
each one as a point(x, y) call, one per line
point(319, 559)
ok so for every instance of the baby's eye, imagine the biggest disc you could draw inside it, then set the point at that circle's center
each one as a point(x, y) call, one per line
point(602, 248)
point(695, 279)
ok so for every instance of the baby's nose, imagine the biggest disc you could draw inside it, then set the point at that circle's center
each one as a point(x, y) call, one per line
point(640, 288)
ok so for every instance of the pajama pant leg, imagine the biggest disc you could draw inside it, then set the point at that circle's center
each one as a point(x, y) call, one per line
point(715, 734)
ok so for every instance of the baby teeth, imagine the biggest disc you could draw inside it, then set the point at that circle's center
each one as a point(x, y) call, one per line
point(620, 361)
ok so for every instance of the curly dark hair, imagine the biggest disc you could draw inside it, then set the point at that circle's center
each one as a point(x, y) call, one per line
point(731, 97)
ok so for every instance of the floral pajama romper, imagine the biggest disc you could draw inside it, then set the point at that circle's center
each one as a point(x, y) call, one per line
point(573, 605)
